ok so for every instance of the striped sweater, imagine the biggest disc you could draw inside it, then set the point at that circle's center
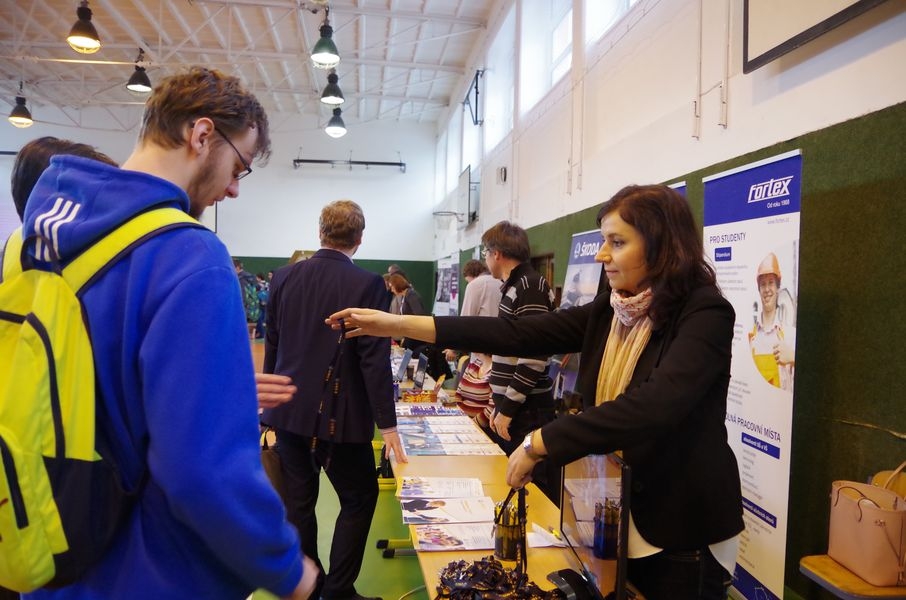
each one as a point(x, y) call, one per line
point(515, 379)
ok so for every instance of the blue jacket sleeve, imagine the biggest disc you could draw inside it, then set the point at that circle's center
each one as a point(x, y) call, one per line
point(201, 410)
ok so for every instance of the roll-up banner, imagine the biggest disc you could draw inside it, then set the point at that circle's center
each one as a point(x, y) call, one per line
point(446, 300)
point(751, 235)
point(582, 272)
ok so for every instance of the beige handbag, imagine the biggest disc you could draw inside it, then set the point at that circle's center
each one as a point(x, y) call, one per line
point(867, 533)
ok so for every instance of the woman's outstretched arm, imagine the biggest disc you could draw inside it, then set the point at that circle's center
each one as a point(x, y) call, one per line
point(367, 321)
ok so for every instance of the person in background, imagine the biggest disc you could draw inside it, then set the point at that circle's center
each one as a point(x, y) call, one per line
point(482, 295)
point(248, 290)
point(394, 299)
point(656, 351)
point(521, 390)
point(263, 286)
point(172, 358)
point(329, 424)
point(408, 302)
point(481, 299)
point(245, 277)
point(390, 295)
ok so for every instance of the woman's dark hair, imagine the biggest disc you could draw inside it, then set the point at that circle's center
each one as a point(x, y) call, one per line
point(398, 283)
point(673, 249)
point(33, 159)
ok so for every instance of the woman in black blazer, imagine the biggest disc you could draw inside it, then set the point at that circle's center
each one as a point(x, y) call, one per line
point(653, 377)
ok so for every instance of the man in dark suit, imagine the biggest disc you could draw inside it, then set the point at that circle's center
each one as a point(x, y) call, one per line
point(344, 390)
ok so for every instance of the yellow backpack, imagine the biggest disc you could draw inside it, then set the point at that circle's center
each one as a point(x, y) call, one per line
point(60, 501)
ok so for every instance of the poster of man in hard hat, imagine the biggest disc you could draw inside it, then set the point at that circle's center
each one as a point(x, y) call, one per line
point(751, 236)
point(773, 335)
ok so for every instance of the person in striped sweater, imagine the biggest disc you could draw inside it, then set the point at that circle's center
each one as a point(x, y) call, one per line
point(521, 390)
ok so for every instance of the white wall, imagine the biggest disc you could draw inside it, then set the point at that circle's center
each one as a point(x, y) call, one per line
point(278, 206)
point(630, 116)
point(277, 212)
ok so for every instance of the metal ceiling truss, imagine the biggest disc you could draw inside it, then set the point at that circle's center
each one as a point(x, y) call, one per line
point(400, 62)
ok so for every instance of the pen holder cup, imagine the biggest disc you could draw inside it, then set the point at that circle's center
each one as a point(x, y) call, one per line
point(605, 542)
point(607, 528)
point(506, 541)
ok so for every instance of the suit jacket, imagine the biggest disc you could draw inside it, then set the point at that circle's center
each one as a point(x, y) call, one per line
point(669, 422)
point(299, 344)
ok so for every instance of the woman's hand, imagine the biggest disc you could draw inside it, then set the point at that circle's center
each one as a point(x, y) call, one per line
point(366, 321)
point(273, 390)
point(519, 468)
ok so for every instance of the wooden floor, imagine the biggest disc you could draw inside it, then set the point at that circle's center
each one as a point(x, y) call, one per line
point(258, 354)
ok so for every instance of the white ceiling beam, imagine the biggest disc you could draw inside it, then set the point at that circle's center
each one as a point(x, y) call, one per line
point(357, 10)
point(262, 55)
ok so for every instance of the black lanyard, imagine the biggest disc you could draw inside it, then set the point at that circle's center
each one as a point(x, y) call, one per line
point(331, 378)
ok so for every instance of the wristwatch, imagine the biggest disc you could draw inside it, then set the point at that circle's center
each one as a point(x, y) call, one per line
point(529, 450)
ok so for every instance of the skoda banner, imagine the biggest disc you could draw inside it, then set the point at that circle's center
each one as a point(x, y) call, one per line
point(751, 235)
point(582, 272)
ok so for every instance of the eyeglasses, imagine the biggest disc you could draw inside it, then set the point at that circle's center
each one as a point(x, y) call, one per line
point(485, 252)
point(248, 167)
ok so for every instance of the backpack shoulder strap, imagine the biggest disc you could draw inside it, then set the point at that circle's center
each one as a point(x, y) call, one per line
point(81, 270)
point(11, 253)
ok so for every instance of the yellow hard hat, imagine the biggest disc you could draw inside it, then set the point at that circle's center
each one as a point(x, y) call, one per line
point(769, 266)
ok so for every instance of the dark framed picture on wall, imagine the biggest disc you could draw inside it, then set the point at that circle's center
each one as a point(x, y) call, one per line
point(771, 28)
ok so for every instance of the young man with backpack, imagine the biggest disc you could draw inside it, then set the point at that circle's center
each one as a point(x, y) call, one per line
point(176, 397)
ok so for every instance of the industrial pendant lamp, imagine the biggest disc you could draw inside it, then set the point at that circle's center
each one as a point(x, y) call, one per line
point(336, 128)
point(83, 37)
point(139, 84)
point(20, 115)
point(332, 93)
point(325, 55)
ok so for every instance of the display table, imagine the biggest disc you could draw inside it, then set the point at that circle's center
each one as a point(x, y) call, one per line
point(491, 471)
point(841, 582)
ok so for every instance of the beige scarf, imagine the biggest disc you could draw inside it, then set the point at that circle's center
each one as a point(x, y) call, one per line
point(630, 331)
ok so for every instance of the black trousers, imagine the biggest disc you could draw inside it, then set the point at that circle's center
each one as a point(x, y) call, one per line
point(680, 575)
point(353, 476)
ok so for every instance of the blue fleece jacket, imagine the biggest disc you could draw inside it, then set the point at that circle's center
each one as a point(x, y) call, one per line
point(175, 377)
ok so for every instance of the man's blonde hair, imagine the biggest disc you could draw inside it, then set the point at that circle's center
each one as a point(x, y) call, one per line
point(341, 225)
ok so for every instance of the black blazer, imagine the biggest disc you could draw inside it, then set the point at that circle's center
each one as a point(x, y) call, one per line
point(299, 344)
point(669, 422)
